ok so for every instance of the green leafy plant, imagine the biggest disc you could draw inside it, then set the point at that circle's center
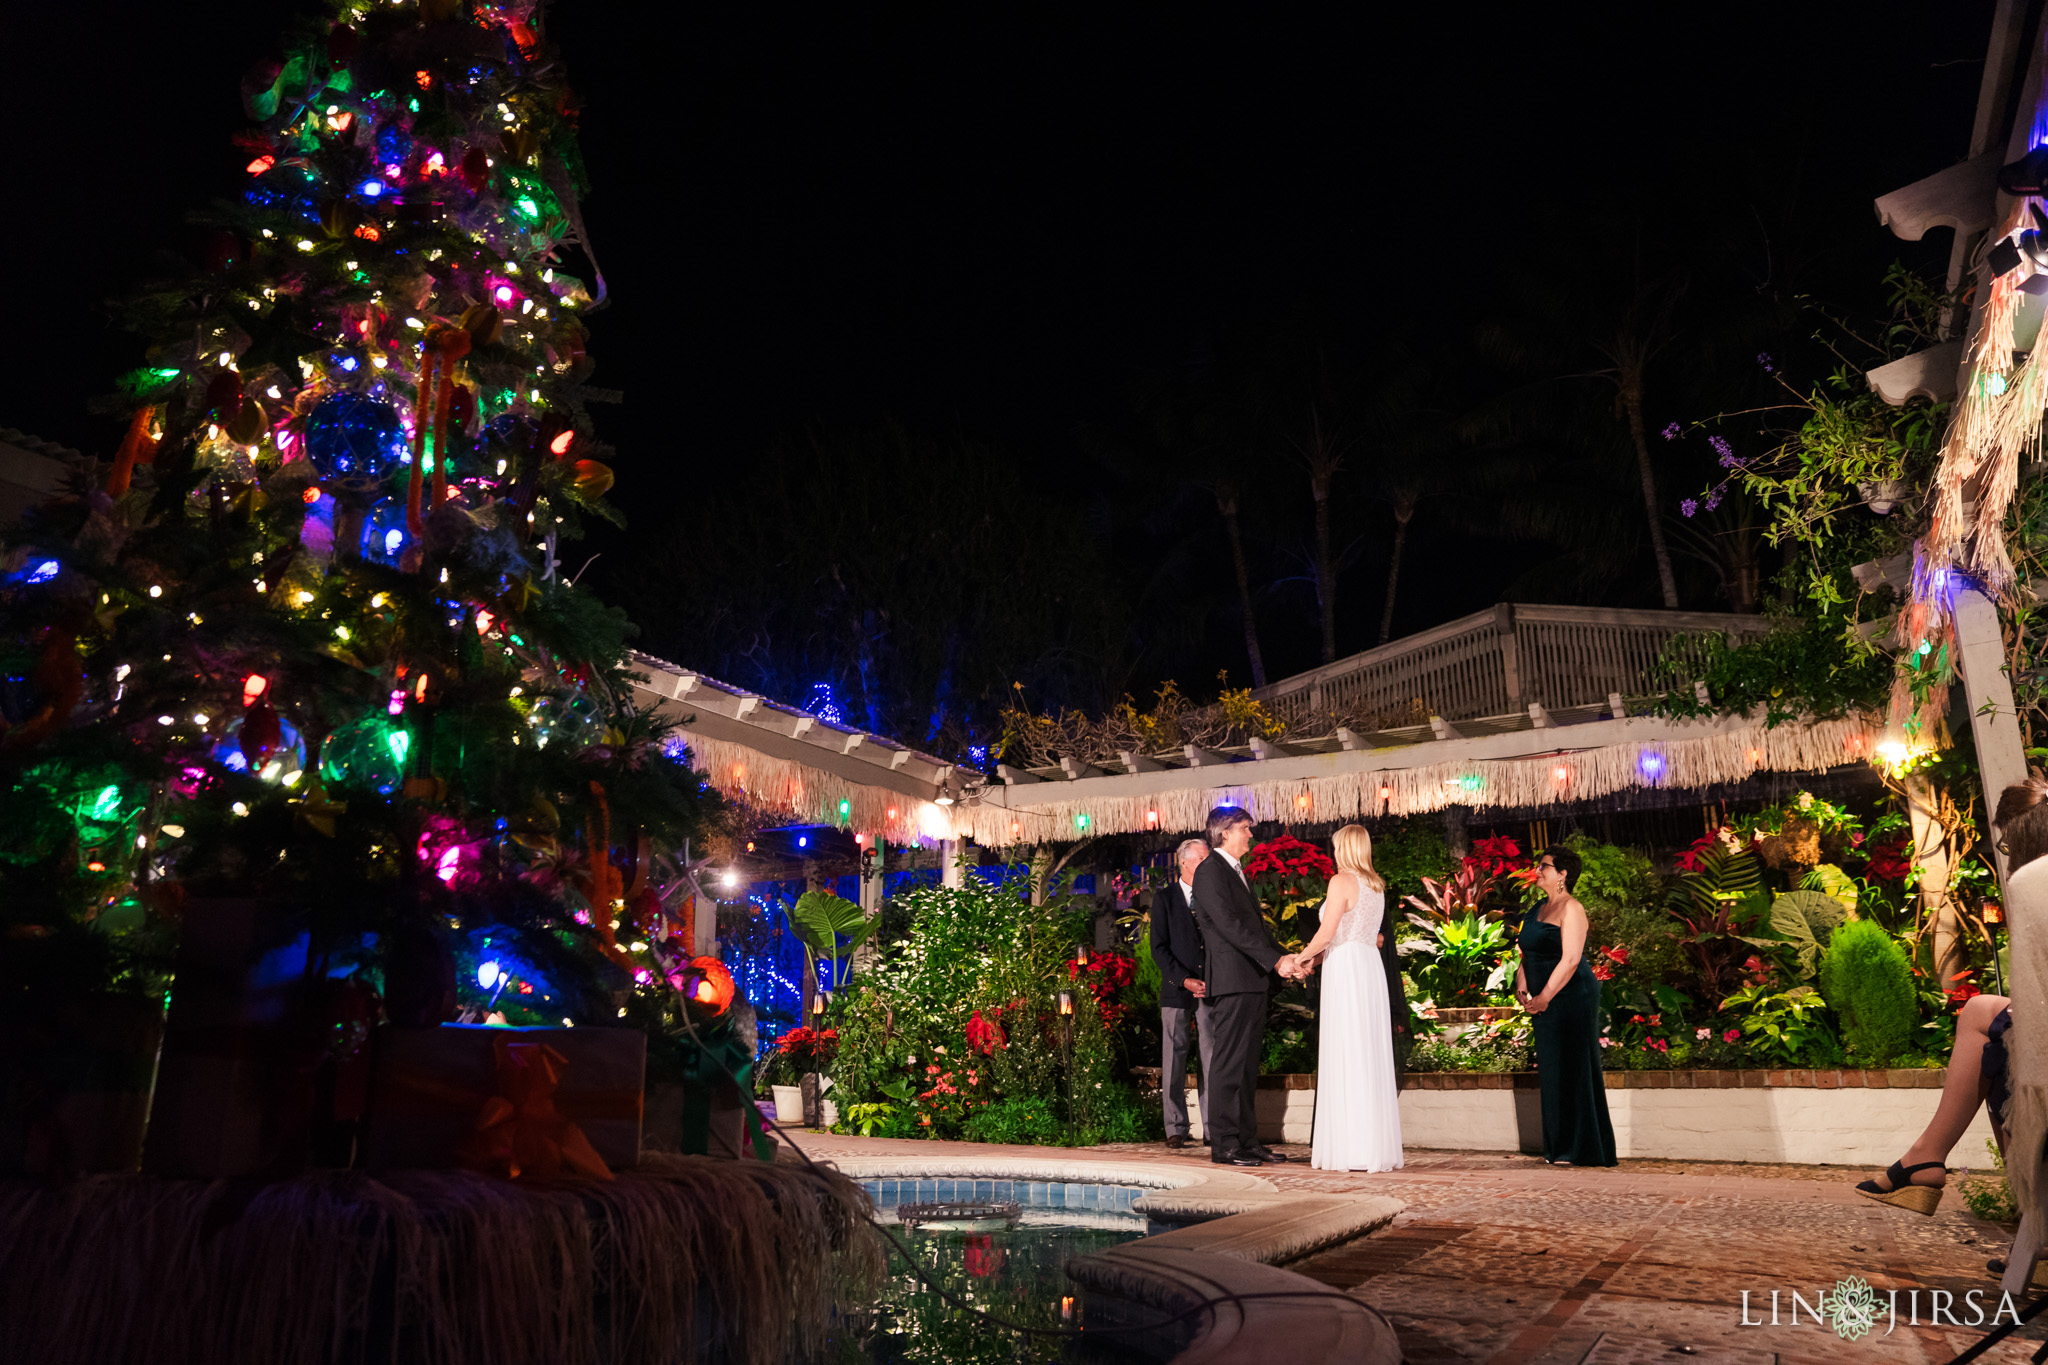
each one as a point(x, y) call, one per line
point(1458, 961)
point(1806, 919)
point(1780, 1025)
point(1720, 904)
point(1868, 980)
point(830, 927)
point(1027, 1120)
point(1989, 1196)
point(867, 1119)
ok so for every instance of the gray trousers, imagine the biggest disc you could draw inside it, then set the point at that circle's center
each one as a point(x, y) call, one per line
point(1173, 1063)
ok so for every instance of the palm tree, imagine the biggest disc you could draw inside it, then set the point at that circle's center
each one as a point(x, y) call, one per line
point(1639, 331)
point(1325, 459)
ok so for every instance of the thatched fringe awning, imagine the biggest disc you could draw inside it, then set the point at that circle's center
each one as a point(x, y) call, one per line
point(1393, 782)
point(1676, 755)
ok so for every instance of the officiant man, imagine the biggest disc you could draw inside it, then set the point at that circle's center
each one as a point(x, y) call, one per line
point(1177, 949)
point(1240, 959)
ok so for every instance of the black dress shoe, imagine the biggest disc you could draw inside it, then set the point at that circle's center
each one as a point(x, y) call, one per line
point(1237, 1159)
point(1268, 1154)
point(1177, 1142)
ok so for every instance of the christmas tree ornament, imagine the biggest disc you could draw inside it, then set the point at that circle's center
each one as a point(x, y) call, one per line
point(593, 480)
point(352, 437)
point(282, 746)
point(262, 734)
point(384, 535)
point(482, 321)
point(565, 722)
point(137, 447)
point(476, 169)
point(249, 425)
point(370, 751)
point(224, 396)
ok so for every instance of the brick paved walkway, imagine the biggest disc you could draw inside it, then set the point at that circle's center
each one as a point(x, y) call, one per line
point(1500, 1258)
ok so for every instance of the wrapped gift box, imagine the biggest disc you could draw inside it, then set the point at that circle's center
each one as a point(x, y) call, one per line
point(428, 1086)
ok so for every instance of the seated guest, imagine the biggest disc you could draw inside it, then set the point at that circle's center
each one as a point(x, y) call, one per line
point(1977, 1064)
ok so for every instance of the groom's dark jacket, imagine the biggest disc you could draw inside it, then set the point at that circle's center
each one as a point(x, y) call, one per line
point(1239, 950)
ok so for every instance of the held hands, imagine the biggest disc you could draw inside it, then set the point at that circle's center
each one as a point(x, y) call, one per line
point(1295, 966)
point(1197, 987)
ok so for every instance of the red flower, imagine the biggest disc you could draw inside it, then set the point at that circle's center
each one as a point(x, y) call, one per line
point(1733, 1035)
point(1656, 1019)
point(983, 1257)
point(1602, 972)
point(1694, 857)
point(985, 1036)
point(1635, 1019)
point(1888, 860)
point(1657, 1045)
point(1289, 856)
point(1498, 855)
point(1964, 989)
point(1619, 955)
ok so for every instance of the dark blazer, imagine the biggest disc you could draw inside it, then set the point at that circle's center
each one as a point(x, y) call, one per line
point(1240, 951)
point(1176, 946)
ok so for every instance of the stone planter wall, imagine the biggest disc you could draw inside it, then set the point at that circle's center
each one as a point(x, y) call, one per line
point(1287, 1108)
point(1858, 1118)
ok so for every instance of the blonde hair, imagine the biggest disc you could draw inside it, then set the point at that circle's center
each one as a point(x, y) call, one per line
point(1353, 847)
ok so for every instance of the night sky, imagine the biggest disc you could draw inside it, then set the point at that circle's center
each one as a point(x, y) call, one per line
point(989, 220)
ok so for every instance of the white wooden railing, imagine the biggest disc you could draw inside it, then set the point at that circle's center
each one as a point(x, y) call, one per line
point(1498, 661)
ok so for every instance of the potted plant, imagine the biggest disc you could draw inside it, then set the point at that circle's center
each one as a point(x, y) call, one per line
point(805, 1052)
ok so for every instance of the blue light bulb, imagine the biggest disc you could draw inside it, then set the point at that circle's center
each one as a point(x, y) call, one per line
point(372, 188)
point(43, 572)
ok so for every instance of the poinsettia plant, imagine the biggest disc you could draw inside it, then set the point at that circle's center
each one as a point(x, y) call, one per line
point(1286, 874)
point(1105, 975)
point(809, 1049)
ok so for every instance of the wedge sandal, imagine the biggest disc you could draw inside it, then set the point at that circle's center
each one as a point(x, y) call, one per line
point(1904, 1194)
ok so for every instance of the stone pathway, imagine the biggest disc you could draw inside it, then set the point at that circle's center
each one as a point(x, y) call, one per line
point(1502, 1259)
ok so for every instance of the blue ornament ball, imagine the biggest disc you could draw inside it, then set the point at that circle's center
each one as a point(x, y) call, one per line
point(507, 437)
point(384, 533)
point(354, 436)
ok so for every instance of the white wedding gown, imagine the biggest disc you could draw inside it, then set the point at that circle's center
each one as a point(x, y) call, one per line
point(1358, 1115)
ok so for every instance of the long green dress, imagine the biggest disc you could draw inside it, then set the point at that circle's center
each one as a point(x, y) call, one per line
point(1575, 1123)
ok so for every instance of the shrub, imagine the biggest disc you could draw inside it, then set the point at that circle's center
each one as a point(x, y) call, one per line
point(1867, 980)
point(1023, 1119)
point(1127, 1117)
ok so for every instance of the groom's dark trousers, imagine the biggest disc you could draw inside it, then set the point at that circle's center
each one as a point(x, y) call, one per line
point(1237, 968)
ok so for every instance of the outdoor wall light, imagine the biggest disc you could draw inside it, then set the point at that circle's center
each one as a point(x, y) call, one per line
point(730, 880)
point(2030, 245)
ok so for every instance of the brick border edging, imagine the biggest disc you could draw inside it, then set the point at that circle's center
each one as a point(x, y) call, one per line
point(1895, 1078)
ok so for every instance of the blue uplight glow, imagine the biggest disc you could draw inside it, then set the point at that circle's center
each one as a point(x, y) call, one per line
point(43, 572)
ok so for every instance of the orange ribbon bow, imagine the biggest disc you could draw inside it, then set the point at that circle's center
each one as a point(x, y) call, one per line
point(519, 1131)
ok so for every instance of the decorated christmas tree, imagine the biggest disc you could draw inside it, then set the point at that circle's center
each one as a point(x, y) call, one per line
point(304, 644)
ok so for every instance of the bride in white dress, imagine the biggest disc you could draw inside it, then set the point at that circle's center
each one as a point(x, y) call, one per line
point(1358, 1116)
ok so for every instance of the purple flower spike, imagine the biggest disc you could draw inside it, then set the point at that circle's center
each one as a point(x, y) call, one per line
point(1689, 506)
point(1671, 432)
point(1713, 499)
point(1723, 449)
point(1764, 359)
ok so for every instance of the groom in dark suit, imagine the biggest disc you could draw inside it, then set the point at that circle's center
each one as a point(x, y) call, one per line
point(1241, 958)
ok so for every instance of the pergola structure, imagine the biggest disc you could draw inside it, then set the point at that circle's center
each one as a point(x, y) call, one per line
point(1520, 707)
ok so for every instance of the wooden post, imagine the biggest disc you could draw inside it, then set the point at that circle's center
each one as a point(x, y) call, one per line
point(951, 873)
point(1994, 721)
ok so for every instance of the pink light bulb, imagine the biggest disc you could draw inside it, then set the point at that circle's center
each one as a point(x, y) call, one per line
point(504, 293)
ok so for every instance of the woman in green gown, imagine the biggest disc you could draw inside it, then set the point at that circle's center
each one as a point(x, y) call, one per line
point(1566, 1006)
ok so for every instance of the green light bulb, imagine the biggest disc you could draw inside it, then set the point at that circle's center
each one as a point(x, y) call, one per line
point(401, 744)
point(107, 805)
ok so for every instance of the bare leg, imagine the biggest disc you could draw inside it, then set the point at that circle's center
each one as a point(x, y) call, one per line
point(1964, 1088)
